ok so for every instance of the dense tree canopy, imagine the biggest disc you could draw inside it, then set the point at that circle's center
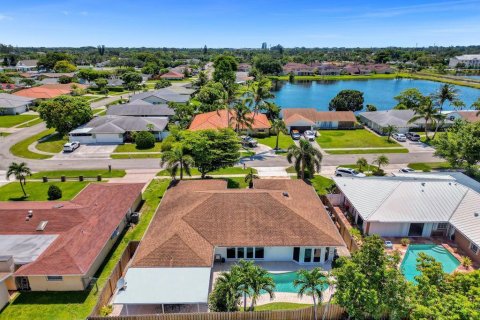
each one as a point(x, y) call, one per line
point(64, 66)
point(225, 67)
point(347, 100)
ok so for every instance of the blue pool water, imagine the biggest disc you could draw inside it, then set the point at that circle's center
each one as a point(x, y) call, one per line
point(284, 282)
point(409, 263)
point(380, 92)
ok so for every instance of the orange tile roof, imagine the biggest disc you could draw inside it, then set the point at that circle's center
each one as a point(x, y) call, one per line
point(194, 217)
point(294, 114)
point(171, 75)
point(47, 91)
point(83, 225)
point(219, 120)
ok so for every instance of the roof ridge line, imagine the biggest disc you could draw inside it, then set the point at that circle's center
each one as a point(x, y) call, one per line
point(460, 202)
point(384, 198)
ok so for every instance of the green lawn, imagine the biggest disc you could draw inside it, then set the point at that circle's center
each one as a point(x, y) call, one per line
point(135, 156)
point(131, 147)
point(75, 173)
point(370, 167)
point(53, 144)
point(37, 191)
point(365, 151)
point(11, 121)
point(284, 141)
point(219, 172)
point(78, 305)
point(31, 123)
point(281, 306)
point(20, 149)
point(236, 183)
point(321, 184)
point(429, 166)
point(360, 138)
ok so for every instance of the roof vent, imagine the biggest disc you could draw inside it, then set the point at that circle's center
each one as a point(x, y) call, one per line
point(42, 225)
point(423, 184)
point(285, 194)
point(476, 214)
point(58, 206)
point(29, 215)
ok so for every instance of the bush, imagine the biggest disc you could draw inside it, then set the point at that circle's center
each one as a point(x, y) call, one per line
point(144, 140)
point(166, 146)
point(405, 242)
point(466, 262)
point(54, 192)
point(106, 310)
point(378, 173)
point(162, 84)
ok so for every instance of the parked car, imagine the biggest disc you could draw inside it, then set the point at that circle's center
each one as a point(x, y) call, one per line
point(406, 170)
point(399, 137)
point(248, 141)
point(295, 135)
point(412, 136)
point(71, 146)
point(309, 135)
point(348, 172)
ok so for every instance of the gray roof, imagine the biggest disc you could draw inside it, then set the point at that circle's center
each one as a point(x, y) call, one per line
point(12, 101)
point(27, 63)
point(398, 118)
point(140, 108)
point(122, 124)
point(166, 94)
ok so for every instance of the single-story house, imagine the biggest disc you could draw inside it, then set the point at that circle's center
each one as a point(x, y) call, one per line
point(467, 115)
point(242, 77)
point(140, 108)
point(172, 75)
point(414, 205)
point(199, 224)
point(26, 65)
point(163, 96)
point(59, 245)
point(221, 119)
point(327, 68)
point(303, 119)
point(48, 91)
point(12, 104)
point(379, 120)
point(298, 69)
point(112, 129)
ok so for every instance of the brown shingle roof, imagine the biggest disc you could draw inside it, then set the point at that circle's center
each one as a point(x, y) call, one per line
point(219, 120)
point(470, 116)
point(194, 217)
point(294, 114)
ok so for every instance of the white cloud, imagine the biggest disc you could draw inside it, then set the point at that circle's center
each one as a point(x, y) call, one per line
point(5, 17)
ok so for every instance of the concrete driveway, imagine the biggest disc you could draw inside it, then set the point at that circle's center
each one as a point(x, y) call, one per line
point(87, 152)
point(416, 146)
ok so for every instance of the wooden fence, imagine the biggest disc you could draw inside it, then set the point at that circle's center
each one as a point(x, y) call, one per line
point(333, 312)
point(117, 272)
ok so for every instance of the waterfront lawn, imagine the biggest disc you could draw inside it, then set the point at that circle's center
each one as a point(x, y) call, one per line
point(284, 141)
point(52, 144)
point(79, 304)
point(367, 151)
point(20, 149)
point(13, 120)
point(281, 306)
point(37, 191)
point(429, 166)
point(56, 174)
point(132, 147)
point(361, 138)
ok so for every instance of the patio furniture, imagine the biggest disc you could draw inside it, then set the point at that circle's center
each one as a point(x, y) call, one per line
point(388, 244)
point(218, 258)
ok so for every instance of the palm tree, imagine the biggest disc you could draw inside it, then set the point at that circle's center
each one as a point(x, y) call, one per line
point(242, 117)
point(177, 159)
point(389, 130)
point(260, 281)
point(381, 160)
point(20, 171)
point(278, 126)
point(306, 157)
point(428, 112)
point(245, 271)
point(229, 283)
point(362, 163)
point(259, 92)
point(311, 283)
point(249, 178)
point(446, 92)
point(476, 106)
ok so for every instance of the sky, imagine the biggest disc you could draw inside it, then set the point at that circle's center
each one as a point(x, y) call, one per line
point(239, 23)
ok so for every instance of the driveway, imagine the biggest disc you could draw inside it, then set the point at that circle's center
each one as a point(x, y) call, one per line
point(416, 146)
point(87, 152)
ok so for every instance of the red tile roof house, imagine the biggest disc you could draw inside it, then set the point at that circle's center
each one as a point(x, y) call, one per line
point(59, 245)
point(220, 120)
point(172, 75)
point(303, 119)
point(278, 224)
point(298, 69)
point(47, 91)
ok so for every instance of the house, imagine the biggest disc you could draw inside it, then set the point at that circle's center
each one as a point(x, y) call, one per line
point(303, 119)
point(467, 115)
point(12, 104)
point(59, 245)
point(327, 69)
point(140, 108)
point(221, 119)
point(8, 86)
point(244, 67)
point(26, 65)
point(172, 75)
point(200, 223)
point(467, 60)
point(298, 69)
point(242, 77)
point(414, 205)
point(163, 96)
point(48, 91)
point(379, 120)
point(112, 129)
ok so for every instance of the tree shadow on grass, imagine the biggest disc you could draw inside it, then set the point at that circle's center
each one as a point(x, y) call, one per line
point(21, 198)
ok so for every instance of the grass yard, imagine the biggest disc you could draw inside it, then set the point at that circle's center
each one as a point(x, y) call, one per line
point(219, 172)
point(31, 123)
point(8, 121)
point(75, 173)
point(20, 149)
point(284, 141)
point(78, 305)
point(53, 144)
point(361, 138)
point(236, 183)
point(131, 147)
point(135, 156)
point(281, 306)
point(366, 151)
point(37, 191)
point(321, 184)
point(369, 167)
point(429, 166)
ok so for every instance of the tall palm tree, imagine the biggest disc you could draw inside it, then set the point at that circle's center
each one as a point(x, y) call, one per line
point(381, 160)
point(245, 271)
point(389, 130)
point(446, 92)
point(260, 281)
point(311, 283)
point(250, 177)
point(362, 163)
point(428, 112)
point(278, 126)
point(476, 106)
point(306, 157)
point(229, 283)
point(20, 171)
point(259, 92)
point(242, 116)
point(176, 159)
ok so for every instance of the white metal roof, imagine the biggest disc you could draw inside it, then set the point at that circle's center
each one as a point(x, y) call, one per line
point(466, 218)
point(165, 286)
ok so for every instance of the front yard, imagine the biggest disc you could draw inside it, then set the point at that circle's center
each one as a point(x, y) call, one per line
point(131, 147)
point(37, 191)
point(11, 121)
point(284, 141)
point(52, 144)
point(20, 149)
point(341, 139)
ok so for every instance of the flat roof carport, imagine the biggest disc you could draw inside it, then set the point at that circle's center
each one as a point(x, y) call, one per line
point(25, 248)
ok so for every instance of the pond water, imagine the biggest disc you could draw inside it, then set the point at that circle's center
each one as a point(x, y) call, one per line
point(380, 93)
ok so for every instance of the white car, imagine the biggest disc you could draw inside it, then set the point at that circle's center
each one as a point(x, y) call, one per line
point(406, 170)
point(71, 146)
point(309, 135)
point(399, 137)
point(348, 172)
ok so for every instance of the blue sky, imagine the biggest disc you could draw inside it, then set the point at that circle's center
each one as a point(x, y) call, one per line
point(240, 23)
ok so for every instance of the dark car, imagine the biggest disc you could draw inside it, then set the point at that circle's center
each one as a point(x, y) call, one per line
point(412, 136)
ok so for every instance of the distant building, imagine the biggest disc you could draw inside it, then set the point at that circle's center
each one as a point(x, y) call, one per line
point(26, 65)
point(467, 115)
point(298, 69)
point(244, 67)
point(468, 60)
point(172, 75)
point(11, 104)
point(303, 119)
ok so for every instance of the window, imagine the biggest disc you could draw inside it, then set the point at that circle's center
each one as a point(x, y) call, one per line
point(259, 253)
point(54, 278)
point(240, 253)
point(442, 226)
point(473, 247)
point(316, 255)
point(250, 253)
point(230, 253)
point(308, 255)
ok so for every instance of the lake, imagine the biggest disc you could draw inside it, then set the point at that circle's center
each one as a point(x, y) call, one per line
point(380, 93)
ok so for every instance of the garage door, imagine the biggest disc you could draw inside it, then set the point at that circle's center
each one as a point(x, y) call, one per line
point(300, 128)
point(109, 138)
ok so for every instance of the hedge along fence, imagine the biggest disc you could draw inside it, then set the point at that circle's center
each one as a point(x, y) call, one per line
point(331, 312)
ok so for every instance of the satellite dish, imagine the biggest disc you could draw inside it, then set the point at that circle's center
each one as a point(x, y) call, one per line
point(121, 284)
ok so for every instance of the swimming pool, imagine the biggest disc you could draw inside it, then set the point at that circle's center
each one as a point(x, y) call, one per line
point(409, 263)
point(284, 282)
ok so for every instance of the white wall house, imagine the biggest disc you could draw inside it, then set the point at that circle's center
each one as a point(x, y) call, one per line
point(11, 104)
point(468, 60)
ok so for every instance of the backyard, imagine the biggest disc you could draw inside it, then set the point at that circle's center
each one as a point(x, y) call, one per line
point(37, 191)
point(11, 121)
